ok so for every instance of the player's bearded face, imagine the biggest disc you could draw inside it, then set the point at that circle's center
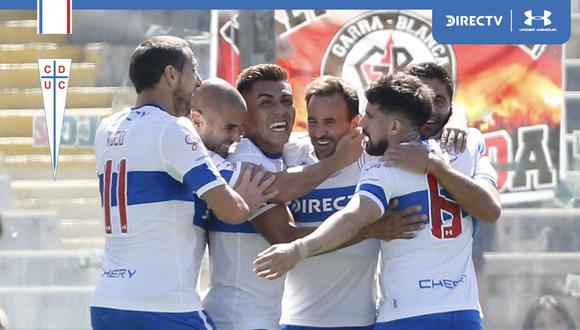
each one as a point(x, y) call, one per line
point(223, 129)
point(375, 148)
point(441, 109)
point(188, 82)
point(374, 124)
point(182, 99)
point(328, 122)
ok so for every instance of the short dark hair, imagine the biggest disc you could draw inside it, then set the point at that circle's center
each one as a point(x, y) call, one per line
point(259, 72)
point(151, 57)
point(403, 94)
point(328, 85)
point(432, 70)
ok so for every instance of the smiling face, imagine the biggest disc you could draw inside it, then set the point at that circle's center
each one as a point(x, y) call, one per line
point(218, 115)
point(222, 126)
point(270, 114)
point(328, 122)
point(441, 109)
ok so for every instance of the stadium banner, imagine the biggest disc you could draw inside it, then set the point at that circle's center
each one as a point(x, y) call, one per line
point(77, 131)
point(512, 93)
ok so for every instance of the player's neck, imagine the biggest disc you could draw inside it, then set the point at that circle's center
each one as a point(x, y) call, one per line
point(411, 136)
point(437, 135)
point(155, 96)
point(268, 149)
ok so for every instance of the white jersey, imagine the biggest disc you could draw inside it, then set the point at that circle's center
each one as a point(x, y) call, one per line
point(230, 172)
point(238, 299)
point(333, 289)
point(432, 273)
point(150, 164)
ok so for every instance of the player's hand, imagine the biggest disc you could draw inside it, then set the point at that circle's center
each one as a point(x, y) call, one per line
point(454, 135)
point(402, 224)
point(412, 157)
point(349, 147)
point(276, 260)
point(253, 189)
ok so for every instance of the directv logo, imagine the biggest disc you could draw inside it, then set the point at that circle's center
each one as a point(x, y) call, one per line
point(462, 20)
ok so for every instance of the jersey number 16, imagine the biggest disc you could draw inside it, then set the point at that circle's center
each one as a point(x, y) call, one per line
point(440, 205)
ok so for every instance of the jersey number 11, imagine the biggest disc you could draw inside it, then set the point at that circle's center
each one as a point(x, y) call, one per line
point(121, 185)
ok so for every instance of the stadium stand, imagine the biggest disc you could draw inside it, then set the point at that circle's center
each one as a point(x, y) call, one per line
point(53, 230)
point(53, 225)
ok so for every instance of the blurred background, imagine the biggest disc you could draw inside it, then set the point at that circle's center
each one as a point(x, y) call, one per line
point(526, 98)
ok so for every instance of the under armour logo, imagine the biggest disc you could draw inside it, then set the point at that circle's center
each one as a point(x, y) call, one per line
point(531, 18)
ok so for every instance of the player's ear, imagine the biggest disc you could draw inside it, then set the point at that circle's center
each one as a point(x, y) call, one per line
point(244, 127)
point(197, 119)
point(355, 121)
point(395, 127)
point(171, 75)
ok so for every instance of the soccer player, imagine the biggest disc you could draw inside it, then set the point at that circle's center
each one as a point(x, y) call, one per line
point(427, 282)
point(151, 163)
point(475, 191)
point(237, 299)
point(342, 295)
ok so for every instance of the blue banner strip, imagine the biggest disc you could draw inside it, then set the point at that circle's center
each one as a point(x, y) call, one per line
point(230, 4)
point(454, 21)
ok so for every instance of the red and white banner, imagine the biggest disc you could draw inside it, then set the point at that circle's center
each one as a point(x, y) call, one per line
point(513, 93)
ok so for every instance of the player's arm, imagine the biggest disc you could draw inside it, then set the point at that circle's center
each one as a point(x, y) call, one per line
point(235, 206)
point(336, 230)
point(186, 160)
point(401, 224)
point(227, 204)
point(455, 131)
point(297, 182)
point(478, 197)
point(277, 226)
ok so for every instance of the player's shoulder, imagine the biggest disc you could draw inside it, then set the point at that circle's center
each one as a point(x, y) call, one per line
point(299, 151)
point(475, 142)
point(112, 118)
point(220, 162)
point(172, 128)
point(366, 159)
point(475, 135)
point(378, 173)
point(377, 167)
point(244, 149)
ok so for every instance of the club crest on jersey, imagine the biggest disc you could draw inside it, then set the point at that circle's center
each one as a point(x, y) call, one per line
point(54, 77)
point(194, 142)
point(383, 42)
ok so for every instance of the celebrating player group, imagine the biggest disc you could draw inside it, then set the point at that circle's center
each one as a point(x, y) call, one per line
point(366, 223)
